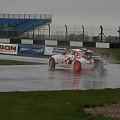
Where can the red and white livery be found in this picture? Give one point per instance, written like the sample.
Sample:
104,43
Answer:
77,60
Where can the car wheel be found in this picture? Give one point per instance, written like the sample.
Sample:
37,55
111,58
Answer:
52,64
77,66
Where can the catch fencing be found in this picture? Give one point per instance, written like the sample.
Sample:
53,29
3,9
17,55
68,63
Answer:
76,33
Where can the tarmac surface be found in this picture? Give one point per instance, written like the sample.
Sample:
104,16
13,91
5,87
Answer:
40,78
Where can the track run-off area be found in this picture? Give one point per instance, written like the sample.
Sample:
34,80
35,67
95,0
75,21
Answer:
40,78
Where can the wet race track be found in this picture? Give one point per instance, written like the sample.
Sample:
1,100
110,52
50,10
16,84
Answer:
39,77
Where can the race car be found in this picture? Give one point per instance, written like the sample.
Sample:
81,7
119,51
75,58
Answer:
77,60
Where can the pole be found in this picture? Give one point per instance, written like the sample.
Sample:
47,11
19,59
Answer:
33,31
101,34
49,30
66,32
119,32
83,32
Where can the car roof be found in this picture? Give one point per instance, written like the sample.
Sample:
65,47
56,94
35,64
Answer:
78,51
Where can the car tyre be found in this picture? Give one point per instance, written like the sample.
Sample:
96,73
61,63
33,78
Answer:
52,64
77,66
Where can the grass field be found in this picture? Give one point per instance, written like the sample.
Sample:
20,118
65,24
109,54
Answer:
55,105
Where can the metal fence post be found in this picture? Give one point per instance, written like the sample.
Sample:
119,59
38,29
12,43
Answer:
83,32
101,34
119,32
49,30
66,32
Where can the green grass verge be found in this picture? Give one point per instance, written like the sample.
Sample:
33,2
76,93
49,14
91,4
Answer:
55,105
13,62
114,53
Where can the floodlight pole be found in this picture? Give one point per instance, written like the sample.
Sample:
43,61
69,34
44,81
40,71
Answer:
33,31
83,32
119,32
66,32
101,34
49,30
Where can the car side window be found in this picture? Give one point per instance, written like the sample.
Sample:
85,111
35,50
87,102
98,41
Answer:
76,54
70,52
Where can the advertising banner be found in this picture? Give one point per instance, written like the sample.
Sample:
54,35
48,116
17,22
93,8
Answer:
58,51
9,48
31,50
48,50
54,50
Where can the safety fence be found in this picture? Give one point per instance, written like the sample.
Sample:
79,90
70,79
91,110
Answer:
68,33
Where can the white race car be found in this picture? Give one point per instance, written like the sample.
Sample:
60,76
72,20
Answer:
77,60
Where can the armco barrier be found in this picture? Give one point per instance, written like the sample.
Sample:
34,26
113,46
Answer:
62,43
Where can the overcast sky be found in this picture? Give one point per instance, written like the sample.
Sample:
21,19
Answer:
69,12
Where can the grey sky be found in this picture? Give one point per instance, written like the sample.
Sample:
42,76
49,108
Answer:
69,12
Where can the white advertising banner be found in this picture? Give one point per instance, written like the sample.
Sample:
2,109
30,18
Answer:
4,40
50,42
54,50
26,41
9,48
102,45
48,50
75,43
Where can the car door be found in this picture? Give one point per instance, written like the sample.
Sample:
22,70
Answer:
68,57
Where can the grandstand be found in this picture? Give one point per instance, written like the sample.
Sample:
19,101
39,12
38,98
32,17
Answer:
15,25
